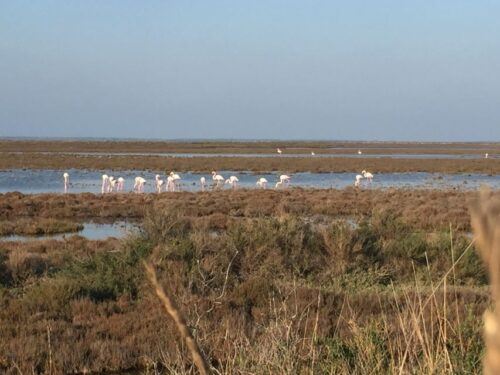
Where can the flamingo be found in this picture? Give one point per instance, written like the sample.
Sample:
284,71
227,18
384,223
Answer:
284,179
262,183
278,150
159,183
368,176
139,184
279,185
233,180
203,183
217,178
170,183
121,183
105,182
111,184
359,177
66,181
175,179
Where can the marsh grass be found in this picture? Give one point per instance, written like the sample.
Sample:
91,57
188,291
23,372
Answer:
204,164
430,210
245,147
37,227
486,223
261,293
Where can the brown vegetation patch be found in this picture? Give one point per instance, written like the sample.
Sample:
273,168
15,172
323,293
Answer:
422,209
233,147
38,227
258,164
268,281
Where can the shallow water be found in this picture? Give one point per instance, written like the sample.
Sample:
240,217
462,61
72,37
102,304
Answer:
284,155
91,231
50,181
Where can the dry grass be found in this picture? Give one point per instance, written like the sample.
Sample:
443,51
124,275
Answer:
37,227
276,282
486,223
283,287
258,164
176,315
246,147
421,209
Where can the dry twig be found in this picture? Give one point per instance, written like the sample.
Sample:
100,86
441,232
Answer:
486,225
179,320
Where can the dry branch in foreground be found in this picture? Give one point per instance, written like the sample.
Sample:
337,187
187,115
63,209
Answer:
180,322
486,225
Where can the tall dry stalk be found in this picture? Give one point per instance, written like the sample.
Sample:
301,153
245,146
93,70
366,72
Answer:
198,358
486,225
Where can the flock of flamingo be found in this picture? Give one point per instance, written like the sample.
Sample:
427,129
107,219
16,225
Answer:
111,184
172,183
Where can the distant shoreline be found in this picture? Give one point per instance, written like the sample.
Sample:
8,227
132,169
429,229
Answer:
241,140
244,146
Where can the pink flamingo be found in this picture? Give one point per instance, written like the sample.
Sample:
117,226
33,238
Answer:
285,180
66,181
139,184
105,182
219,180
262,183
121,183
357,183
159,184
368,176
176,180
233,181
111,184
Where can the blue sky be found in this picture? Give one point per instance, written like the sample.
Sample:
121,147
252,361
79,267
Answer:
369,70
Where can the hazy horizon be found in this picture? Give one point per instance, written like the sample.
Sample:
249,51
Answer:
225,70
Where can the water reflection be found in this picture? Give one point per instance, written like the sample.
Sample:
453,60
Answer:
91,231
51,181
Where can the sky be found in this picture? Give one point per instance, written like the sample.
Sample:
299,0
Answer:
275,69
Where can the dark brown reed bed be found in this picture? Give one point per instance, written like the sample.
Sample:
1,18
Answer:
230,147
263,289
37,226
423,209
257,164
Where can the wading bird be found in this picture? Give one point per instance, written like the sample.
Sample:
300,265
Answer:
262,183
66,181
159,183
203,183
170,184
486,156
285,180
359,177
312,153
121,183
368,176
233,181
111,184
279,185
176,180
359,152
105,182
278,150
219,180
139,184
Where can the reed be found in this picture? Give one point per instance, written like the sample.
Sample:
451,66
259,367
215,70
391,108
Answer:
486,225
180,322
